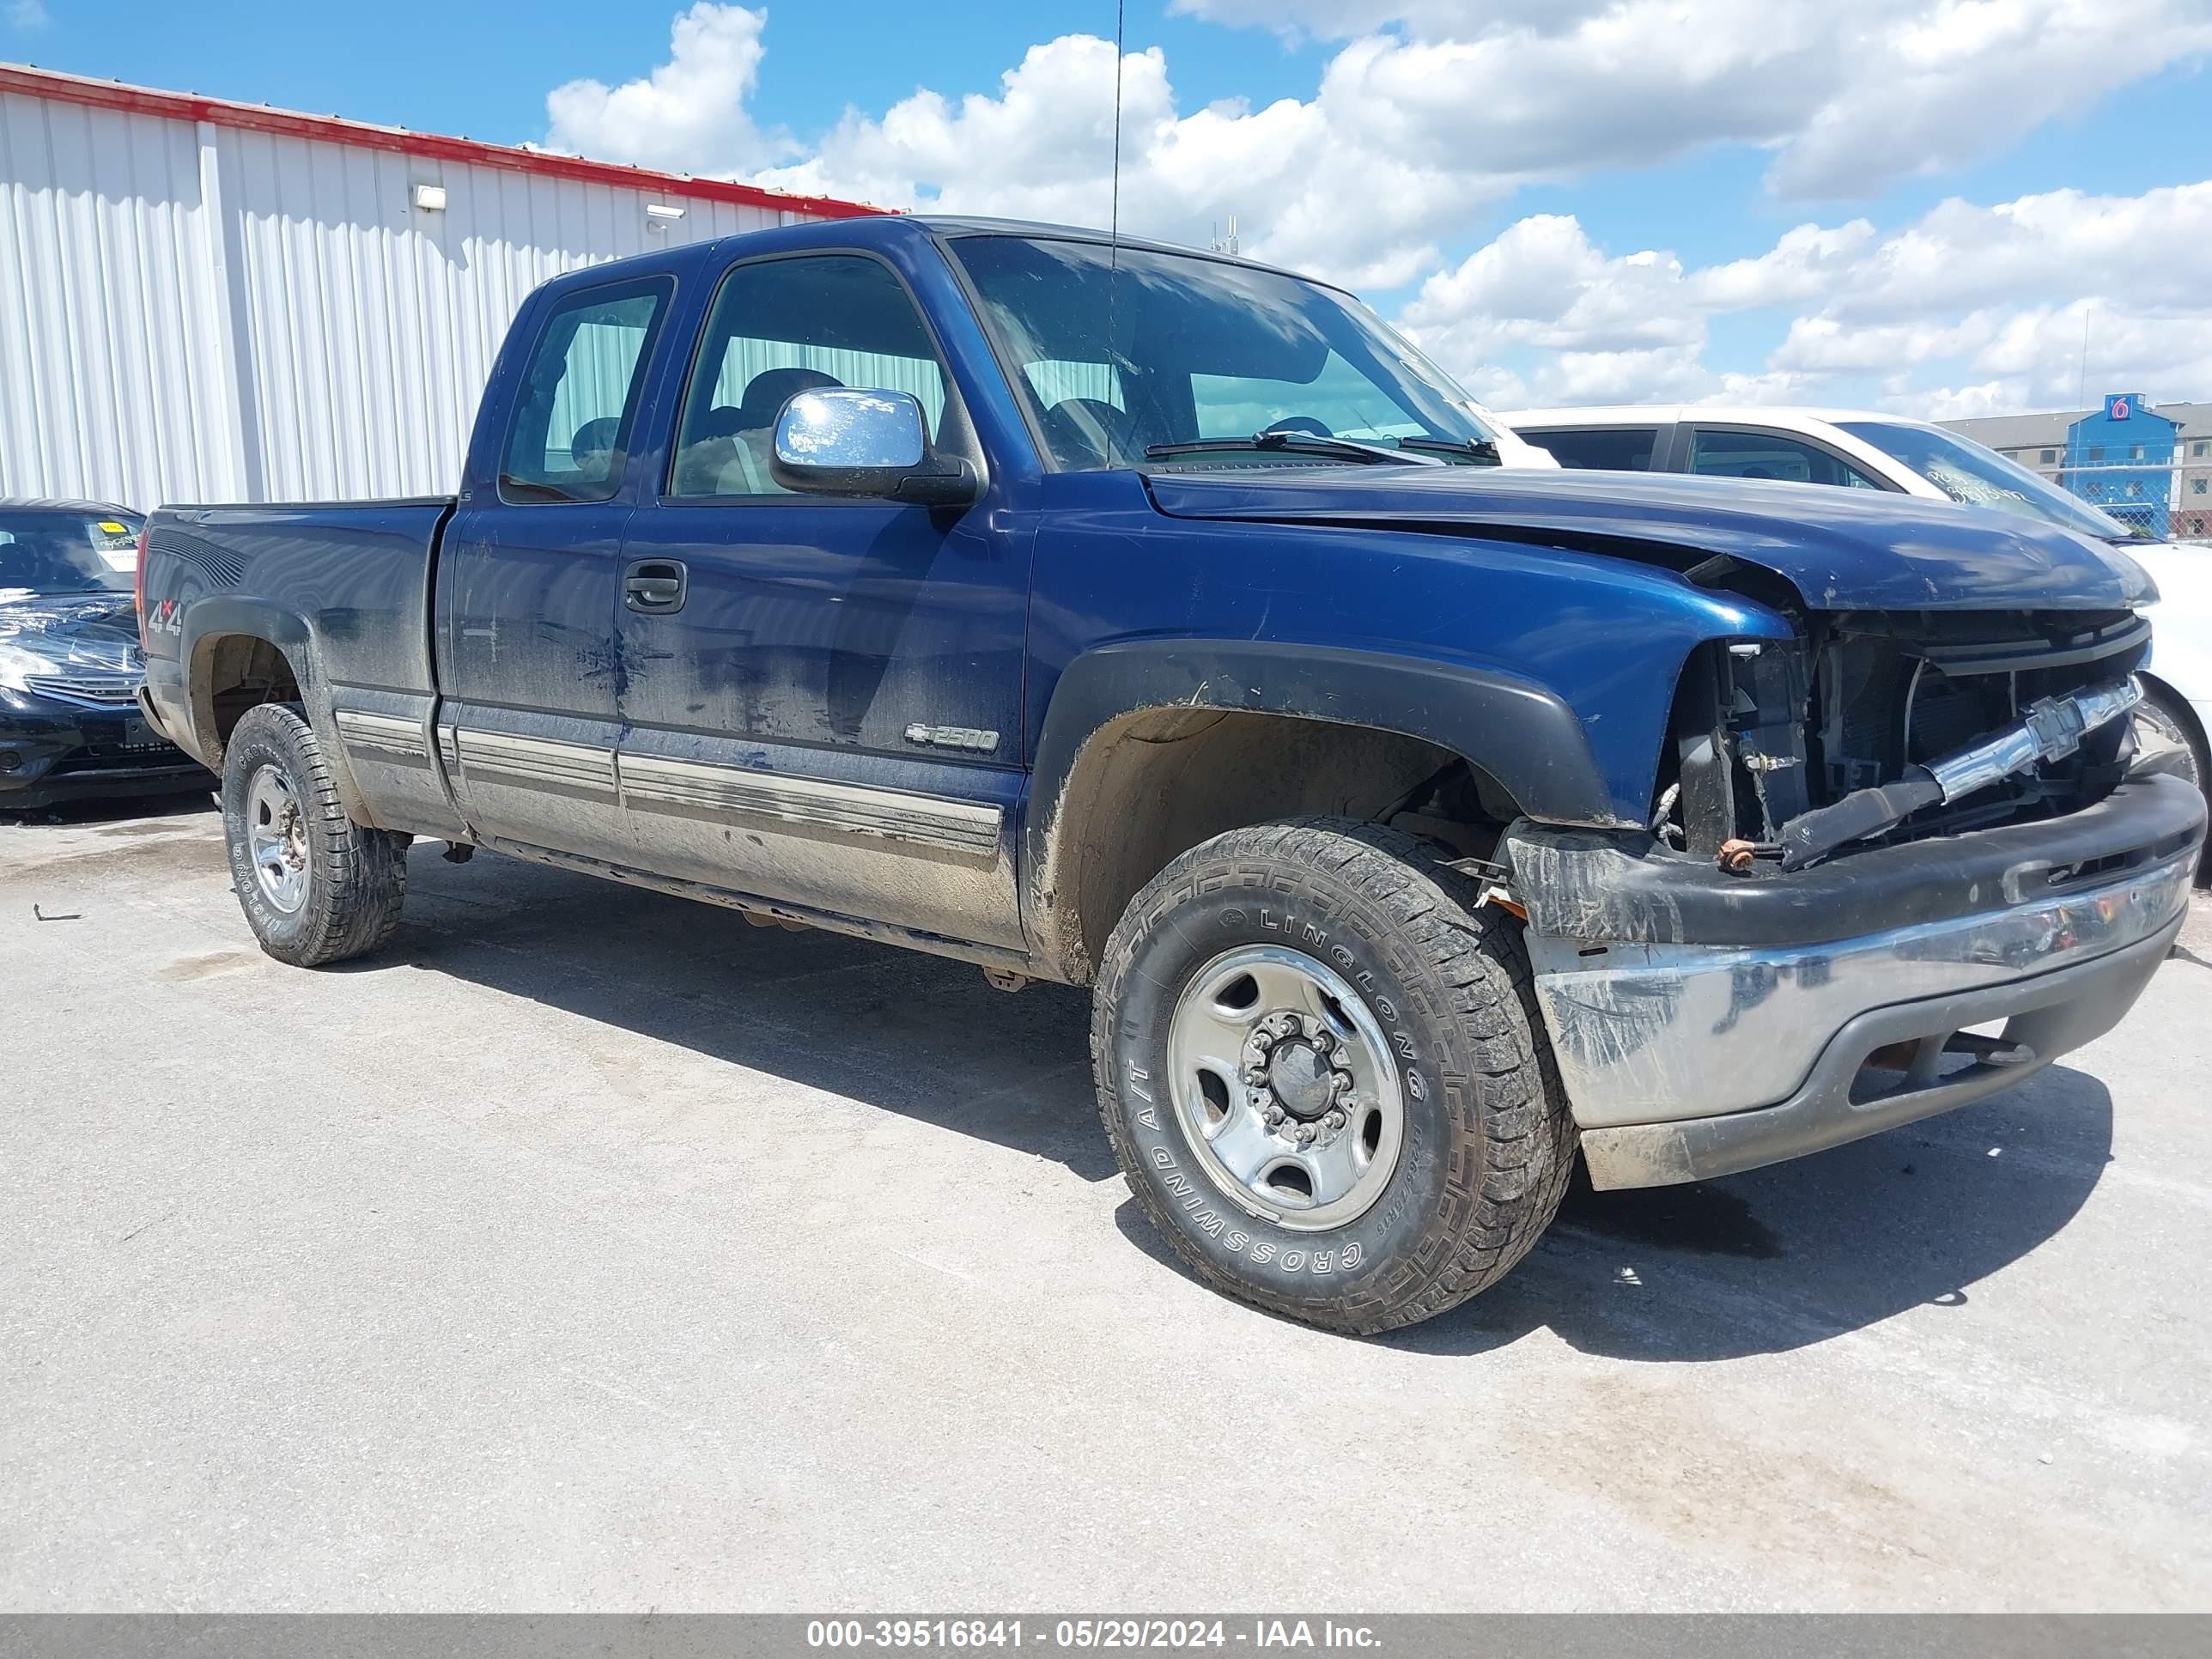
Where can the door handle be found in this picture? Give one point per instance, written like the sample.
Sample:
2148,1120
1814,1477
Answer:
656,585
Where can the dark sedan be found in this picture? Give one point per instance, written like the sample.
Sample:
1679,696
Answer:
70,664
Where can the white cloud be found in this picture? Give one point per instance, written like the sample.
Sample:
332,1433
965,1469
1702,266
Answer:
1849,94
1341,20
2010,293
2056,244
1611,328
28,14
1929,87
1042,147
689,114
1543,283
1427,110
2036,354
1998,293
1802,265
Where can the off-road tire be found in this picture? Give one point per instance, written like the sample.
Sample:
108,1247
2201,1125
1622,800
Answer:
1489,1142
356,875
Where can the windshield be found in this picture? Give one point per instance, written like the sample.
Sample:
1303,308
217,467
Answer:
1200,348
47,550
1966,471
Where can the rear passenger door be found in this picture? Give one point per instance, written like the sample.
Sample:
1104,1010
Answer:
821,699
1767,453
530,582
1603,448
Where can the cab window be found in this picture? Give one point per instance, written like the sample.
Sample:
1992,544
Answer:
1722,453
779,327
1600,448
579,396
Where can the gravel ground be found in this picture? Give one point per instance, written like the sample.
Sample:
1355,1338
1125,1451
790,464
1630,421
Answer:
590,1250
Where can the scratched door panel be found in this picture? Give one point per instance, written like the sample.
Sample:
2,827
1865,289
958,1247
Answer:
830,713
529,659
925,845
868,647
531,579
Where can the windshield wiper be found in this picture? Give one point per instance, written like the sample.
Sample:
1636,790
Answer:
1479,451
1295,443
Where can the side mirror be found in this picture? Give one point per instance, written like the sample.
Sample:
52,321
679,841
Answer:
838,441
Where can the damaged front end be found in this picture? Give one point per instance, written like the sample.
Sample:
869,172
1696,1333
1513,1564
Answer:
1865,843
1879,728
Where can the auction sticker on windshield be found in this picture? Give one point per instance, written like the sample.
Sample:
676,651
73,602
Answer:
114,542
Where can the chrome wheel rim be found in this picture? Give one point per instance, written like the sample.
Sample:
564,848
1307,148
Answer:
1286,1088
277,839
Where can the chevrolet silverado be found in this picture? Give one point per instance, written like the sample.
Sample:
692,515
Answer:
1107,613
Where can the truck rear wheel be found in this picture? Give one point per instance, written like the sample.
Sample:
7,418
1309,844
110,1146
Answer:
1322,1071
316,887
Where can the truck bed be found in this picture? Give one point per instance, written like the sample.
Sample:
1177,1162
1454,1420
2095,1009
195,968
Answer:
350,581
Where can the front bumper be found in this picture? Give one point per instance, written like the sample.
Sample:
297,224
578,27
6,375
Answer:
1686,1057
51,751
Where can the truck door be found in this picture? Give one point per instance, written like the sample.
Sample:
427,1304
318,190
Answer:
529,580
820,701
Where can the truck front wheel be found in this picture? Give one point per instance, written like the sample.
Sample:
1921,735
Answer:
316,887
1323,1069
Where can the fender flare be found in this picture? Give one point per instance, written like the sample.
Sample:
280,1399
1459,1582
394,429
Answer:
1523,735
220,616
225,614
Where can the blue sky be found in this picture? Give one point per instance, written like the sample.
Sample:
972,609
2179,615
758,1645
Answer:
1567,200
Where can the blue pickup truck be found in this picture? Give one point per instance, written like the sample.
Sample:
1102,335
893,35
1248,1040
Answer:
1120,615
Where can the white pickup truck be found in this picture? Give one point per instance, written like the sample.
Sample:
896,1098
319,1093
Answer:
1864,450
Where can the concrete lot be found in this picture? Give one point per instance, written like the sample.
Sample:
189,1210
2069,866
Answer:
594,1249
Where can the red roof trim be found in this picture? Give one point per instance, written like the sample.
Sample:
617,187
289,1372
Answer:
335,129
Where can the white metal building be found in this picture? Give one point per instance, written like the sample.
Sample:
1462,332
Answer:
208,301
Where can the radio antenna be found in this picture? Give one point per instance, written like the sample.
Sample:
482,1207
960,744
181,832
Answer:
1114,220
1114,226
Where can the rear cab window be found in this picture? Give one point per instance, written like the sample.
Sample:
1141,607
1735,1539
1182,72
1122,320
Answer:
577,404
1597,448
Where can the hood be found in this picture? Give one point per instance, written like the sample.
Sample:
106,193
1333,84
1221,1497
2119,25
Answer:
1842,549
94,632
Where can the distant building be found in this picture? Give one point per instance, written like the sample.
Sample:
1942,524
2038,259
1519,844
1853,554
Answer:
2122,457
2148,465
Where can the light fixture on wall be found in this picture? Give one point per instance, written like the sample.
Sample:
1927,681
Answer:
431,198
658,216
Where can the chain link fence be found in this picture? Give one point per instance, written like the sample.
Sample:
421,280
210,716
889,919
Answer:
2170,500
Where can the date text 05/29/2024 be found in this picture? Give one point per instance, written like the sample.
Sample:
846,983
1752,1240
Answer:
1087,1633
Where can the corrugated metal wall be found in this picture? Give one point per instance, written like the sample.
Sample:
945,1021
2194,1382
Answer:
112,354
191,313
